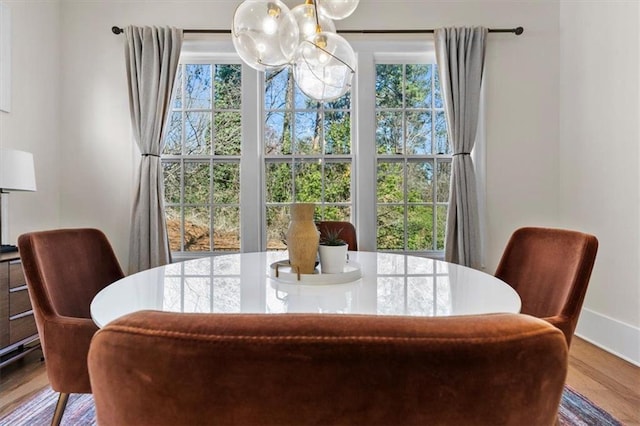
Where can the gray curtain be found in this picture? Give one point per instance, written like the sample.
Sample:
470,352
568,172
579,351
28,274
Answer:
152,61
460,56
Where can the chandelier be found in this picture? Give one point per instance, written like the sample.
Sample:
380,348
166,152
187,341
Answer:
269,36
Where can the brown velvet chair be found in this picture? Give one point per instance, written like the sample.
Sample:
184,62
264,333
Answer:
345,230
550,270
161,368
64,270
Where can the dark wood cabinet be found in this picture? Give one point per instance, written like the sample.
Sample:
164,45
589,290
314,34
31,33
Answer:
18,332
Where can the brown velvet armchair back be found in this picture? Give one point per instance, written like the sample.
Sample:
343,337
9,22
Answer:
64,270
159,368
346,230
550,270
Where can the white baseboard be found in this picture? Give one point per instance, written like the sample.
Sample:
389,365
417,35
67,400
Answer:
612,335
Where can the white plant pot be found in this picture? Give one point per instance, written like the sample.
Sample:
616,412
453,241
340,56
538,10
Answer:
333,258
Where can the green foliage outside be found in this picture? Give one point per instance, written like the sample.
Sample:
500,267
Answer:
411,182
308,153
205,128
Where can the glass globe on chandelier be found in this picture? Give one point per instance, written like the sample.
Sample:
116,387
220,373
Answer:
305,16
338,9
264,33
323,66
267,35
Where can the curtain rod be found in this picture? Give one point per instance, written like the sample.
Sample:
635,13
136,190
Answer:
517,31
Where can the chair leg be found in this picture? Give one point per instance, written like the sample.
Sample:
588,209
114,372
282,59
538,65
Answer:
60,406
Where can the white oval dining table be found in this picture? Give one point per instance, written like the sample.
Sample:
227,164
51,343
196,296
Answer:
390,284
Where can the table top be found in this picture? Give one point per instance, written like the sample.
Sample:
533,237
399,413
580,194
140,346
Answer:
390,284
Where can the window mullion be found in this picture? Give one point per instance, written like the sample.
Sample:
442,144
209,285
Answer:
366,164
212,219
182,212
251,167
434,151
183,129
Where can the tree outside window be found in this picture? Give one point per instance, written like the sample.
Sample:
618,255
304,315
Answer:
307,151
413,158
201,159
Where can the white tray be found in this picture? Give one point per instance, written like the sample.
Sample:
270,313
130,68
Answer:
282,271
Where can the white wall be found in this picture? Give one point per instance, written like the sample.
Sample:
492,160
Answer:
98,172
33,124
599,161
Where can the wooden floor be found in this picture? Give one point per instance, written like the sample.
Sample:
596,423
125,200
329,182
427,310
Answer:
608,381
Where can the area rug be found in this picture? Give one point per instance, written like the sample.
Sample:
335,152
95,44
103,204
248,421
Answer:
575,410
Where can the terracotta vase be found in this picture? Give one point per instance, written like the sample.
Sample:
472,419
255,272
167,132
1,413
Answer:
302,238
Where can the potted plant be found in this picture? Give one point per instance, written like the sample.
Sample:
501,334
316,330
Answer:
333,252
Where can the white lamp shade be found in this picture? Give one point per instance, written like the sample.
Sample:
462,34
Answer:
264,33
337,9
305,16
16,171
324,65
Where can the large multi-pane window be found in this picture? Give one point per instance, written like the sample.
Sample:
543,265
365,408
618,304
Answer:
307,154
242,145
413,158
201,159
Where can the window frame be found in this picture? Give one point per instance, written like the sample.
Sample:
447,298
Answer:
296,158
405,159
401,50
200,50
363,155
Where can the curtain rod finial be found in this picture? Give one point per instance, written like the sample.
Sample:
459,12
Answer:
519,30
116,30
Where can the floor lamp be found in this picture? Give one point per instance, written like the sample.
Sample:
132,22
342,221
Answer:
16,174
